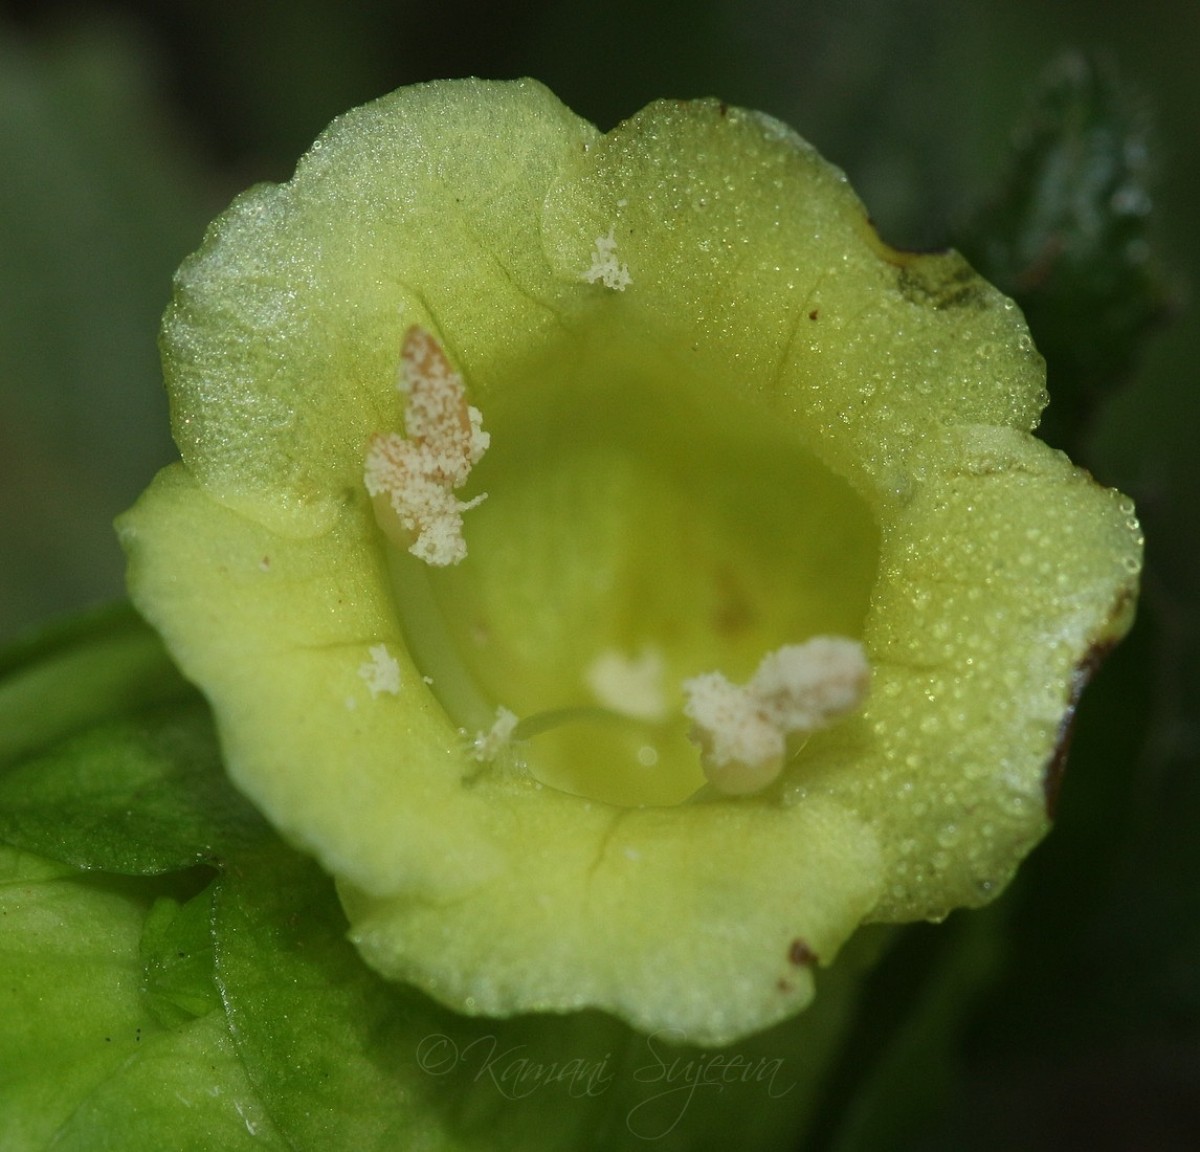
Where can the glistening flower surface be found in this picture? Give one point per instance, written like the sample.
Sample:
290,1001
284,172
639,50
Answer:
724,419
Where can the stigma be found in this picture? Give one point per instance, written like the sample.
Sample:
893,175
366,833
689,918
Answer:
743,729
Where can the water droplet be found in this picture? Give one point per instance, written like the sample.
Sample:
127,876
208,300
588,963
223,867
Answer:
948,836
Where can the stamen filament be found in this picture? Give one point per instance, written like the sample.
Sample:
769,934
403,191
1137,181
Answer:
429,643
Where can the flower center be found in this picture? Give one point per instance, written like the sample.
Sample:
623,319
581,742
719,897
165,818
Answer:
643,525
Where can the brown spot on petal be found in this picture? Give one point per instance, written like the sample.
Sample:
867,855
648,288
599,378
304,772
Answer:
1056,767
800,954
941,283
732,612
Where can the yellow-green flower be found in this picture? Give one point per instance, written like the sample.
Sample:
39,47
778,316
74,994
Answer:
739,456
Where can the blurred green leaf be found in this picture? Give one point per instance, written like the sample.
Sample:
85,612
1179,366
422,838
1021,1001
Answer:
108,760
898,1067
62,678
1070,237
137,796
112,1035
98,203
85,1063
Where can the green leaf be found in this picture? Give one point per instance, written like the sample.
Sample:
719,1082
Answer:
142,795
110,761
112,1034
86,1063
61,678
177,959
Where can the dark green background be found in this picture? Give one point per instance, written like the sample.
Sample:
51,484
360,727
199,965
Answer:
124,127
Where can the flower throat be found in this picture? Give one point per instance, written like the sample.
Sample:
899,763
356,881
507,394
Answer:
616,617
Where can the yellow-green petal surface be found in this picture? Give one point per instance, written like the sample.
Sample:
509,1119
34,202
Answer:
778,427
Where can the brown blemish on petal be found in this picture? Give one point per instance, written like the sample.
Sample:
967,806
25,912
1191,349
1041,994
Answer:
1120,617
941,282
800,954
783,986
1056,767
732,612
